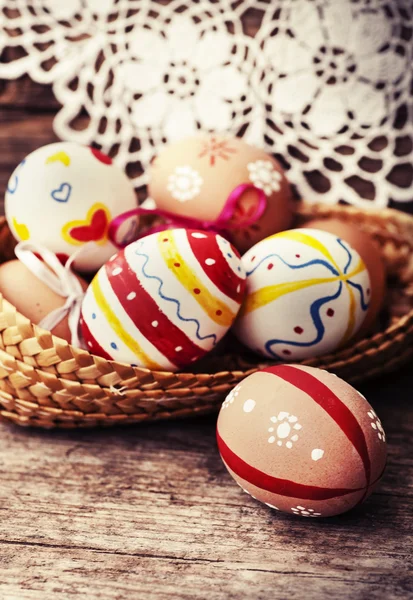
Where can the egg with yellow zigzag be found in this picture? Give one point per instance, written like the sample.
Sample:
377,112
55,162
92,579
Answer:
307,294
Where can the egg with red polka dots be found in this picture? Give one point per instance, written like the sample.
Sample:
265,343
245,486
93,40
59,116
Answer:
301,441
307,294
165,300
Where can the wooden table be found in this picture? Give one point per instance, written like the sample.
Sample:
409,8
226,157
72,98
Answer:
149,511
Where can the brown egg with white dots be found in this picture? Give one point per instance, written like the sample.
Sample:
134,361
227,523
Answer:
32,297
371,255
195,176
301,441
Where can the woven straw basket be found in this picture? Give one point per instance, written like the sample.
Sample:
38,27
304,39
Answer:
46,382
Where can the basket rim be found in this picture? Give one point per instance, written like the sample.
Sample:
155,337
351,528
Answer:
323,211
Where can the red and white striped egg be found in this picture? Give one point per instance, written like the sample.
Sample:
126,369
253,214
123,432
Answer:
165,300
301,440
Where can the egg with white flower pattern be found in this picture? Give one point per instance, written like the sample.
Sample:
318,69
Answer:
307,294
301,441
194,177
64,196
164,301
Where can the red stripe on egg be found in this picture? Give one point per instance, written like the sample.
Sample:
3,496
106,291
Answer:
146,315
334,407
221,275
276,485
93,346
103,158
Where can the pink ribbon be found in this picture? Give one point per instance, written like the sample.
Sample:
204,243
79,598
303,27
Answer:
222,223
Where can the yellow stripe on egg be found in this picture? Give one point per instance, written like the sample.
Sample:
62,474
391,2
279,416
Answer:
308,240
117,327
216,310
351,317
270,293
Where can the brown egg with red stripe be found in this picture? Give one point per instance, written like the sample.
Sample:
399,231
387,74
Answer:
301,440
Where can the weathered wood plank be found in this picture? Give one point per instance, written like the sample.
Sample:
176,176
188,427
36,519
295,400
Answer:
150,512
25,93
20,133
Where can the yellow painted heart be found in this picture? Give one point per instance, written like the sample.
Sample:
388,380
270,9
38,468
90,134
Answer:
59,157
22,231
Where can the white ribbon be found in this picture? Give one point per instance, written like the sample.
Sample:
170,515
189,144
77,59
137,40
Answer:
58,278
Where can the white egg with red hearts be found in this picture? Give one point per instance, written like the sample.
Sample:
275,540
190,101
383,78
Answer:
63,196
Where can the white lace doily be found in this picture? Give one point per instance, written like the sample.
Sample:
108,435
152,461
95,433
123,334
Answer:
326,84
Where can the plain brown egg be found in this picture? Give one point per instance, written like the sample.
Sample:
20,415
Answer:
195,176
370,252
31,297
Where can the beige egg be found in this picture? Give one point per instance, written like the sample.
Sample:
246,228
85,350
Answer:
301,441
371,255
195,176
31,297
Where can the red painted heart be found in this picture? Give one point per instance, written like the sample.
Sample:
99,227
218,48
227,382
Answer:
94,231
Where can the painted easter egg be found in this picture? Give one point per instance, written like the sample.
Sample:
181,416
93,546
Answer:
371,255
165,300
63,196
196,176
307,294
301,440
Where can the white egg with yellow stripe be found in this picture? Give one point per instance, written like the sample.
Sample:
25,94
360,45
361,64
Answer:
164,301
307,294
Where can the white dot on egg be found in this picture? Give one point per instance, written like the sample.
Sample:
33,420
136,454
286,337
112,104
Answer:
155,323
117,271
113,257
90,344
131,296
271,439
249,405
209,262
178,348
317,453
198,235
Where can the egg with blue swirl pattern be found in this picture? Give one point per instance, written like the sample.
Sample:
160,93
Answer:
307,294
165,300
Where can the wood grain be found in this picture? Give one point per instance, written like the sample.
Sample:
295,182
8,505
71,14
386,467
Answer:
150,512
